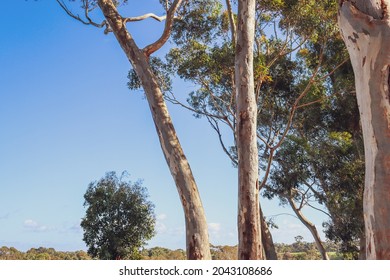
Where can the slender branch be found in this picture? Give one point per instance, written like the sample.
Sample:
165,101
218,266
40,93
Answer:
334,69
310,103
303,200
175,101
143,17
233,27
296,103
281,214
215,126
312,189
318,209
267,172
89,21
148,50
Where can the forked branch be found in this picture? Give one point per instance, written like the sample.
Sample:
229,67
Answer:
148,50
87,20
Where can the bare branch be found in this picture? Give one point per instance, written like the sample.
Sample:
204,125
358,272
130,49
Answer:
88,20
215,126
267,172
318,209
143,17
334,69
175,101
148,50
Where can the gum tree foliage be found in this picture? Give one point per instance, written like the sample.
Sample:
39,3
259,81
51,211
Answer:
304,96
197,240
119,218
322,158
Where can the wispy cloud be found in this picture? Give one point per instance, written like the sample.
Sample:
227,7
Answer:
160,225
215,227
4,216
75,228
214,230
34,226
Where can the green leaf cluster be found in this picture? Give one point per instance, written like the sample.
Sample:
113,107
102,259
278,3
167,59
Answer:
119,219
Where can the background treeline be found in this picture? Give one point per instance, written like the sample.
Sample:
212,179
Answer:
299,250
41,254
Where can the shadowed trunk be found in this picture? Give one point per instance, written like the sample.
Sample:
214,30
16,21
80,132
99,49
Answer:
249,233
197,240
266,238
365,28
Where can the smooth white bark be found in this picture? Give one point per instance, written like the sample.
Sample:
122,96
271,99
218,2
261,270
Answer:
365,28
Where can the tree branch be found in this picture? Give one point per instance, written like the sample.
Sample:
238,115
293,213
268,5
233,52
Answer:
233,28
88,20
148,50
143,17
215,126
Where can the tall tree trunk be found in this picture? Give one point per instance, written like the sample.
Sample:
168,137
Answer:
196,226
312,228
249,234
266,239
365,27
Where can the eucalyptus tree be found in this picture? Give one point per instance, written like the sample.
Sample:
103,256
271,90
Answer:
283,75
297,61
119,218
197,240
326,127
365,28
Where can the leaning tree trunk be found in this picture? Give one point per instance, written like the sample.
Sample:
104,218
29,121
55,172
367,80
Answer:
266,239
196,226
311,227
365,27
249,234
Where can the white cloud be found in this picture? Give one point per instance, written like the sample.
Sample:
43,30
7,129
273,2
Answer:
160,226
215,227
32,225
215,231
161,217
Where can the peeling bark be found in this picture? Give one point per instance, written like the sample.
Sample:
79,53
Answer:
365,27
196,226
249,234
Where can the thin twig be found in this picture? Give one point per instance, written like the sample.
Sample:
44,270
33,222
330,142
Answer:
77,17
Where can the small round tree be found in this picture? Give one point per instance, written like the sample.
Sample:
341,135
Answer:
119,219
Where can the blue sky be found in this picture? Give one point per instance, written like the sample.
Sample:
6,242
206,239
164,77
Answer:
67,117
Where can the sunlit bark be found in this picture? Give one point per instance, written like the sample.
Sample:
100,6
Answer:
196,226
365,27
249,233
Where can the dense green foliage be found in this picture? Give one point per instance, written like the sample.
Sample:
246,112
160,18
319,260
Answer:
119,218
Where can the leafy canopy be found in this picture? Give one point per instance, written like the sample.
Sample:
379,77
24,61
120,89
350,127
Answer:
119,218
